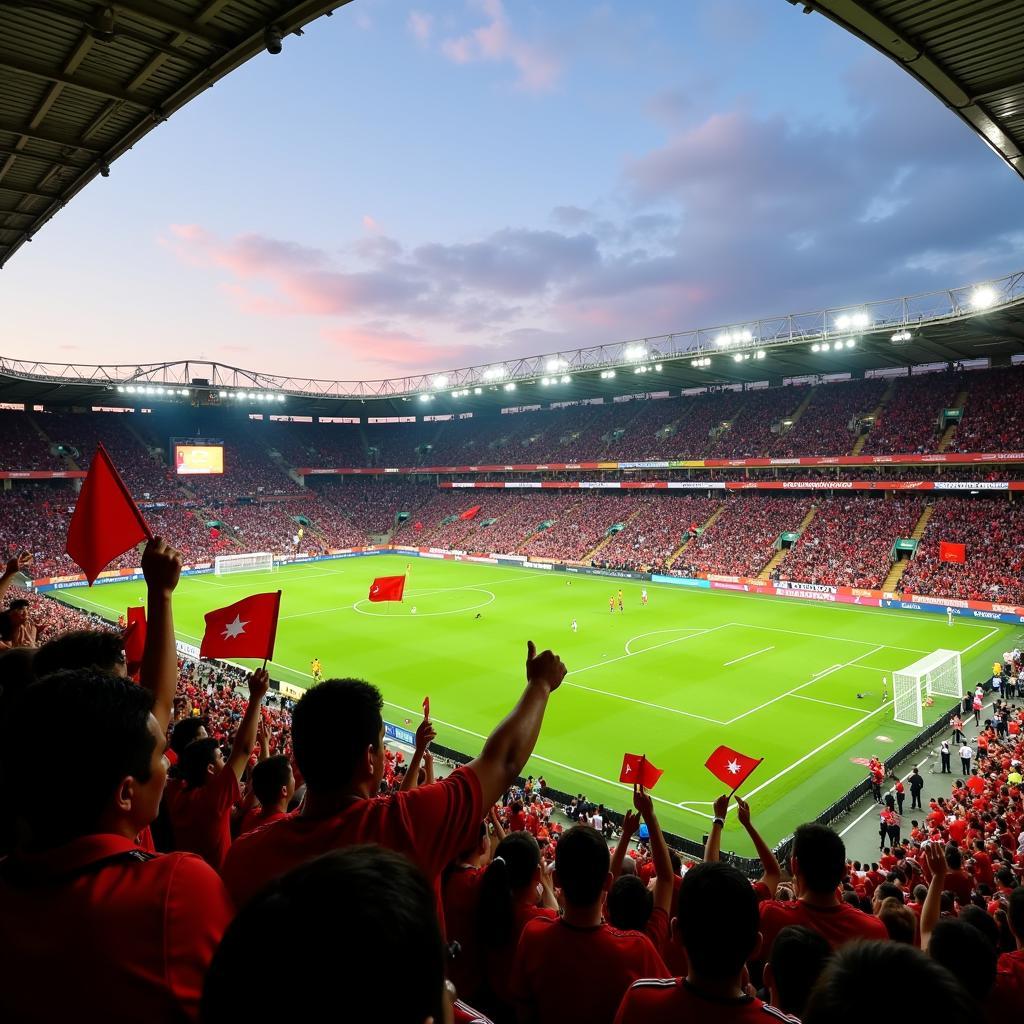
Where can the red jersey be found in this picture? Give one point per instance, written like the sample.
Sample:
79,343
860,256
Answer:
460,898
564,973
201,817
673,1000
431,825
464,1014
838,924
99,930
960,885
256,817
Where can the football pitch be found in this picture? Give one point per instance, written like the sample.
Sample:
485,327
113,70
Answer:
796,682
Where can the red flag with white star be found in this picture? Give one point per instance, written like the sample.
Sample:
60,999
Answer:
731,767
387,588
245,629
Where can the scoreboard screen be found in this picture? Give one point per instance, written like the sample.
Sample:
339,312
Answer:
198,459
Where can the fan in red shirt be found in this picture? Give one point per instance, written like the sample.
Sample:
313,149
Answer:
508,902
718,926
370,937
92,927
273,785
576,967
337,736
818,863
199,807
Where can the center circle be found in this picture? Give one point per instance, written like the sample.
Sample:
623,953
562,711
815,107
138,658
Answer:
454,601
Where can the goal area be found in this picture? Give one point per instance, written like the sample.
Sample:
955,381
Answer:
936,674
260,561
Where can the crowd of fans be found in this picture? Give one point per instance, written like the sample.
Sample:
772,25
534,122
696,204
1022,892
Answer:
992,533
993,419
849,541
830,421
287,821
652,537
910,420
742,540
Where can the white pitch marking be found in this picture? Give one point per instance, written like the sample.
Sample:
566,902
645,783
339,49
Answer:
736,661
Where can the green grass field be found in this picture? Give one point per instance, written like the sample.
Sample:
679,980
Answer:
672,680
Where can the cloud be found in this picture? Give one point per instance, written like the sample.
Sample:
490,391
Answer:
495,41
421,25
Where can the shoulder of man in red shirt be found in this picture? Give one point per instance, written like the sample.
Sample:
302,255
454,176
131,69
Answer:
153,922
566,973
256,818
672,1000
201,816
837,924
431,825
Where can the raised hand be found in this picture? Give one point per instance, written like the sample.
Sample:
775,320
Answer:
544,669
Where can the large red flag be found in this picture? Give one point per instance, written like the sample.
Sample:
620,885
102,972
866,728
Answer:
638,771
470,512
245,629
134,641
387,588
105,522
949,552
731,767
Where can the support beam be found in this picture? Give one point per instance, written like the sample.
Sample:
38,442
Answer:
39,135
168,18
86,84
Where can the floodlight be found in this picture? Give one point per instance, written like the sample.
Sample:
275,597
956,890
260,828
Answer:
566,378
510,386
760,353
478,391
634,353
815,347
424,398
984,297
850,342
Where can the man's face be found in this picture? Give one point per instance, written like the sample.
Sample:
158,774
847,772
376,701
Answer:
19,615
147,795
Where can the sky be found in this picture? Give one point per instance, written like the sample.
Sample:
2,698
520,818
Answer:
412,187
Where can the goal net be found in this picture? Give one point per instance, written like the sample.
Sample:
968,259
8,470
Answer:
260,561
935,674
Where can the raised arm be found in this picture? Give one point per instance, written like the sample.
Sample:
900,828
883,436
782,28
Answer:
663,884
630,823
425,735
772,872
935,858
713,846
245,738
13,567
161,566
509,747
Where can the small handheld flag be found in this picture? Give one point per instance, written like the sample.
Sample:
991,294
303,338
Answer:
387,588
731,767
470,513
638,771
106,522
245,629
426,708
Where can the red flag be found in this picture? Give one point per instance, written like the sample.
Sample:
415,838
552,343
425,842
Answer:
387,588
470,512
134,640
949,552
731,767
245,629
638,771
106,522
426,708
417,526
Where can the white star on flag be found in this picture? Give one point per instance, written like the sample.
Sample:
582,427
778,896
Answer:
374,590
733,767
234,629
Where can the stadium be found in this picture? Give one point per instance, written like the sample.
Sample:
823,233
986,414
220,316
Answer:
796,538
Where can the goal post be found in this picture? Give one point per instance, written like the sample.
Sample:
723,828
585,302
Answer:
260,561
936,674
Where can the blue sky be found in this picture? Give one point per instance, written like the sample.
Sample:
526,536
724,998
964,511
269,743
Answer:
420,186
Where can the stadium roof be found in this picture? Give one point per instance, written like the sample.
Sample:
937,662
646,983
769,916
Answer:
975,322
969,53
82,82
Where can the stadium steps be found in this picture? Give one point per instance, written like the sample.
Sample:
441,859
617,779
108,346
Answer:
950,432
862,440
780,555
899,567
68,461
711,520
608,538
801,408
